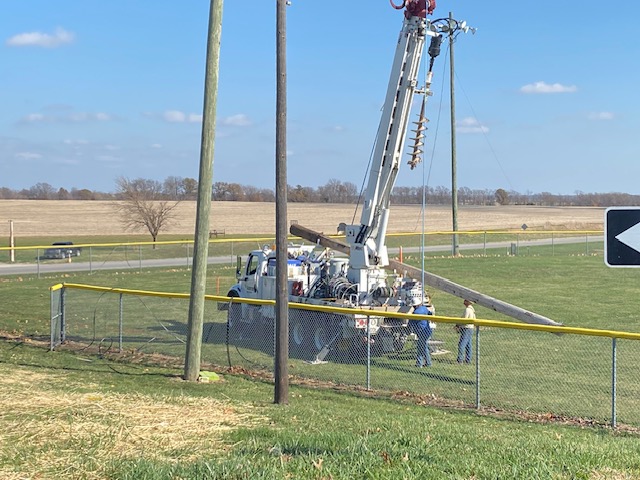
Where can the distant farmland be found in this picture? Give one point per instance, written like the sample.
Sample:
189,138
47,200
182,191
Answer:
69,217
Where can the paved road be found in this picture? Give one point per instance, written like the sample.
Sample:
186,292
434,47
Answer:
75,266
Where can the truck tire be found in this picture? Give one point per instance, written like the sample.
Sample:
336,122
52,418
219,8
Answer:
399,342
324,330
234,314
320,336
298,336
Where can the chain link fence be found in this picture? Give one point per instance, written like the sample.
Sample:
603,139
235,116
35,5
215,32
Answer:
543,371
37,260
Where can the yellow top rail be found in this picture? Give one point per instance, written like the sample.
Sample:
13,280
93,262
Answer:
367,312
271,239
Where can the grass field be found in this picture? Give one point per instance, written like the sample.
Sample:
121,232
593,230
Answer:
71,416
66,220
88,417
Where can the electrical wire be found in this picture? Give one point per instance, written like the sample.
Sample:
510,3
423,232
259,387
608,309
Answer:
425,185
484,134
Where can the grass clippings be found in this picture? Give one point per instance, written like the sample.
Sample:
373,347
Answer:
43,427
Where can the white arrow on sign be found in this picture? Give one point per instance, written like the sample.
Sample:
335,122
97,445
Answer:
631,237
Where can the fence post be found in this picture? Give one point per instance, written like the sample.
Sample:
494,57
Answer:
477,367
613,382
38,262
120,317
63,322
53,318
553,246
90,260
139,257
368,353
57,316
484,247
586,244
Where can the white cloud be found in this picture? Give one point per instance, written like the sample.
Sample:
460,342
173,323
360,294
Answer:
543,87
28,155
600,116
176,116
34,118
81,117
39,39
102,117
239,120
156,145
73,117
471,125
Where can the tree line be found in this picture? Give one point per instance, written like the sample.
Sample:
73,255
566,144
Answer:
334,191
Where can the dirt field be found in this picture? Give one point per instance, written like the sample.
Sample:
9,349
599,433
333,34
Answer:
67,218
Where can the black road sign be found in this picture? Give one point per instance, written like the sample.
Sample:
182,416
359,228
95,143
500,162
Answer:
622,237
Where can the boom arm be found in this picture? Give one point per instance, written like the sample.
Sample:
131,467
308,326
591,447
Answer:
367,240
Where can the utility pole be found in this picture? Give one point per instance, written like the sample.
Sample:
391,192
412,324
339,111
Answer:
205,186
454,174
12,252
281,367
452,27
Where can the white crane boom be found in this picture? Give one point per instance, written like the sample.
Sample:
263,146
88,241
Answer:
367,240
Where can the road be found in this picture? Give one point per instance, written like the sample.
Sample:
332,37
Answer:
74,266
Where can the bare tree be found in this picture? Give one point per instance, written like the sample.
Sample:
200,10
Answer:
190,188
172,187
63,194
502,196
42,191
142,204
82,194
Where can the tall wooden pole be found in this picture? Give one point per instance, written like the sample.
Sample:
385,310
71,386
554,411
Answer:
205,186
454,173
281,370
12,253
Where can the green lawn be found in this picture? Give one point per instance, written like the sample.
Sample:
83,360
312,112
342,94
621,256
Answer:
322,434
74,416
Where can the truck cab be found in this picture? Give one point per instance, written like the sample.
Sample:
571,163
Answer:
257,277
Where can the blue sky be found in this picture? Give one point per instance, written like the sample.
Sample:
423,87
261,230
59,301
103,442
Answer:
546,93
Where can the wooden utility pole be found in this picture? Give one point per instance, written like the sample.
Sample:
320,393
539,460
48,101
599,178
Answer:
281,370
205,186
454,173
12,252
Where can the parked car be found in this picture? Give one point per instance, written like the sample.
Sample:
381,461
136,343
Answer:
62,250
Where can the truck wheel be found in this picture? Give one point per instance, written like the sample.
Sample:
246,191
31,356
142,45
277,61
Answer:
324,330
235,311
320,336
298,334
399,342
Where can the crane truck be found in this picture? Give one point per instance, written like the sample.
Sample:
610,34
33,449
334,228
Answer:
358,279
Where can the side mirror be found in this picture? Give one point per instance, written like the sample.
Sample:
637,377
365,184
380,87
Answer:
238,267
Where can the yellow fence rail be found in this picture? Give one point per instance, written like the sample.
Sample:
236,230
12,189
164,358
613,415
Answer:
565,371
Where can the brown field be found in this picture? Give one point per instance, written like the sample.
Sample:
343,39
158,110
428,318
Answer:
66,218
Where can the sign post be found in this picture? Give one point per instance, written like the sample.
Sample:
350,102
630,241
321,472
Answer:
622,237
